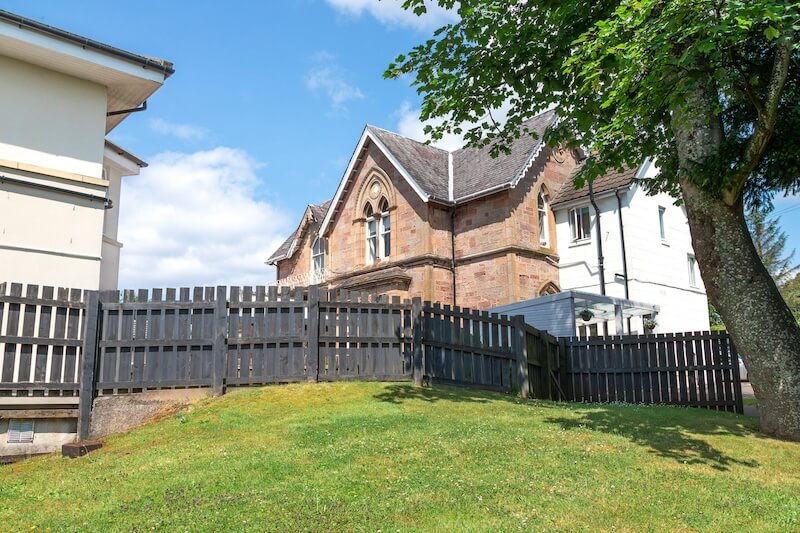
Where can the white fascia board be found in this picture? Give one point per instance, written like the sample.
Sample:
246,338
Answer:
32,40
125,166
351,165
403,172
450,176
531,158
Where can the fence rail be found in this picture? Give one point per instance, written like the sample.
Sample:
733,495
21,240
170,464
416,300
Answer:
219,337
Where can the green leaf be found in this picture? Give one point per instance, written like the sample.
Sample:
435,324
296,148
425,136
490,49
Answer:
771,33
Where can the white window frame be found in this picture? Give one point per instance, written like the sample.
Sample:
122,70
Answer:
372,240
385,228
543,219
691,264
317,273
576,223
662,225
20,431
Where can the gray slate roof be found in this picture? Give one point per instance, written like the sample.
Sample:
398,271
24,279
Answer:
426,164
318,213
608,182
474,169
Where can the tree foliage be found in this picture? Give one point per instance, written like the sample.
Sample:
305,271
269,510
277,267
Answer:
617,70
770,242
791,293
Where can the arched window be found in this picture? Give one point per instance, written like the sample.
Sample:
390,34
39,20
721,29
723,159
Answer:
318,261
544,226
378,231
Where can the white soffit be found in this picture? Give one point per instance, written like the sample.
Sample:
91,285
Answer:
129,84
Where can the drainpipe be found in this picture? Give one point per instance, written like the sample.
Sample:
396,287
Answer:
453,250
622,240
600,263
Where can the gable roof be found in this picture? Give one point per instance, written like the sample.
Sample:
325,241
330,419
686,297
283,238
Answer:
312,218
427,164
476,171
439,175
610,181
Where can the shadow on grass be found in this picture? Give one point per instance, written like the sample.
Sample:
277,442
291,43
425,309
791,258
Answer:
402,392
672,433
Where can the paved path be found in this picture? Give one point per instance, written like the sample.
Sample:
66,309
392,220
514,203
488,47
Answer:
747,392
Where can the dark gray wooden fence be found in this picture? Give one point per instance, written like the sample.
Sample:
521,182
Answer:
469,347
699,369
215,337
363,338
40,341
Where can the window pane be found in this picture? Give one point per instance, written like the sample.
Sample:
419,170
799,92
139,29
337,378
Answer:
573,230
661,223
586,223
387,244
372,249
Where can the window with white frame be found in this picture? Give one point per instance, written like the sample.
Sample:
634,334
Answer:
544,228
386,229
692,266
661,226
580,224
379,231
318,260
20,431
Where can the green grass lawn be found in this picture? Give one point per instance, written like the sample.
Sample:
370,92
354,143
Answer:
389,457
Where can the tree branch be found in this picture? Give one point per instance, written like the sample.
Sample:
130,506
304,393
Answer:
765,123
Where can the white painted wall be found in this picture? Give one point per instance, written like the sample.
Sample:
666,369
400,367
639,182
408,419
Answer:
657,270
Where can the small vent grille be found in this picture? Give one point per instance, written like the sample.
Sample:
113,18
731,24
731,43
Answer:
20,431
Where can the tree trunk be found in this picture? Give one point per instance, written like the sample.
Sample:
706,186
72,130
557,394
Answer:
759,321
762,326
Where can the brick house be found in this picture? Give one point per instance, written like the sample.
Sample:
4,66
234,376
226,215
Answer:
459,227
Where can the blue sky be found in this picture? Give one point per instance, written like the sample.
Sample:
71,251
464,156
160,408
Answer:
260,119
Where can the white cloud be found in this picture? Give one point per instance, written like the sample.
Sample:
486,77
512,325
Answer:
327,77
391,13
185,132
410,125
192,219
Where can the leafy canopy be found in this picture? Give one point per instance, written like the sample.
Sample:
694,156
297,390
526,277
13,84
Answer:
770,242
616,70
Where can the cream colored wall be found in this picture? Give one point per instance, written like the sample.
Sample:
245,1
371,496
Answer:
51,119
48,436
55,123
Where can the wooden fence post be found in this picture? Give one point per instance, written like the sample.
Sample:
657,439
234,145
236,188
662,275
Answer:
220,333
417,334
563,368
312,364
88,364
521,352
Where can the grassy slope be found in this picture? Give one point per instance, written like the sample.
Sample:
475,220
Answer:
372,456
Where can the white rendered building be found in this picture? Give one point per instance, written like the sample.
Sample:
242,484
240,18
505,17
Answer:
654,262
60,179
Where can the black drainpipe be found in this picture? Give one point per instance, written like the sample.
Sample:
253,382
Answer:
453,250
622,240
600,263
